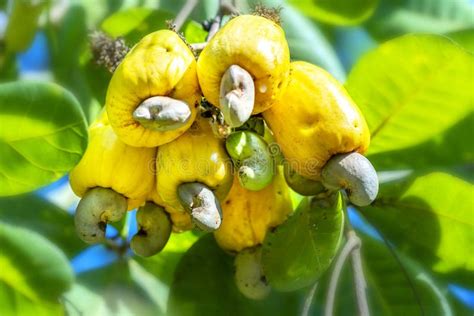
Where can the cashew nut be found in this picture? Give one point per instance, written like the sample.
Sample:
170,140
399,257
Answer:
300,184
154,229
354,173
161,113
237,95
252,157
97,207
249,276
202,204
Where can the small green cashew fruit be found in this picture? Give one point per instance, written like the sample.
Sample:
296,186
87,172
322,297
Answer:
199,200
237,95
354,173
154,229
97,207
249,276
162,113
300,184
252,158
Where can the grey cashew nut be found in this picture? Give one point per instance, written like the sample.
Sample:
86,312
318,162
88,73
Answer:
249,276
97,207
199,200
162,113
237,95
154,230
354,173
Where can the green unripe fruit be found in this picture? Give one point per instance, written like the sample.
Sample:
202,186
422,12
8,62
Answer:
300,184
154,229
249,276
252,159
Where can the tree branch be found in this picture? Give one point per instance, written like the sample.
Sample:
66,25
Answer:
309,300
352,242
360,283
184,13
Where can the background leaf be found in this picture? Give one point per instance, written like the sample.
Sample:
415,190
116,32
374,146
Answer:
430,218
33,273
110,291
397,17
22,24
36,214
339,12
42,135
310,45
419,85
300,250
204,285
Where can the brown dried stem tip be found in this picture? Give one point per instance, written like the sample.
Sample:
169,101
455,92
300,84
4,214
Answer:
272,14
107,52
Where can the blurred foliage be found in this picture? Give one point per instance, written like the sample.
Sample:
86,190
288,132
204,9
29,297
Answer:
414,89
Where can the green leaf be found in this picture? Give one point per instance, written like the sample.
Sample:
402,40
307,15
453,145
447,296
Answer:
22,24
309,45
33,273
447,151
8,67
412,88
112,290
163,265
430,218
68,42
194,33
396,285
204,285
397,17
300,250
338,12
465,38
134,23
35,214
43,135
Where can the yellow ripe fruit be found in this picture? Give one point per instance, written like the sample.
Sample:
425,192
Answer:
159,65
110,163
247,215
316,119
181,220
196,156
254,43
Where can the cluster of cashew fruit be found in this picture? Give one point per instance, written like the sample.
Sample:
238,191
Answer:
151,148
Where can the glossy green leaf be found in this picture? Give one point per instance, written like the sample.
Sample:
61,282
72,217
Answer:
33,273
430,218
397,17
163,265
204,285
396,285
114,290
309,45
22,24
465,38
134,23
43,135
411,89
338,12
447,151
36,214
300,250
67,43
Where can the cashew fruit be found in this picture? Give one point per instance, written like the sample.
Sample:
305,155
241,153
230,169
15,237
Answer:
253,44
249,276
248,215
153,95
195,157
316,119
